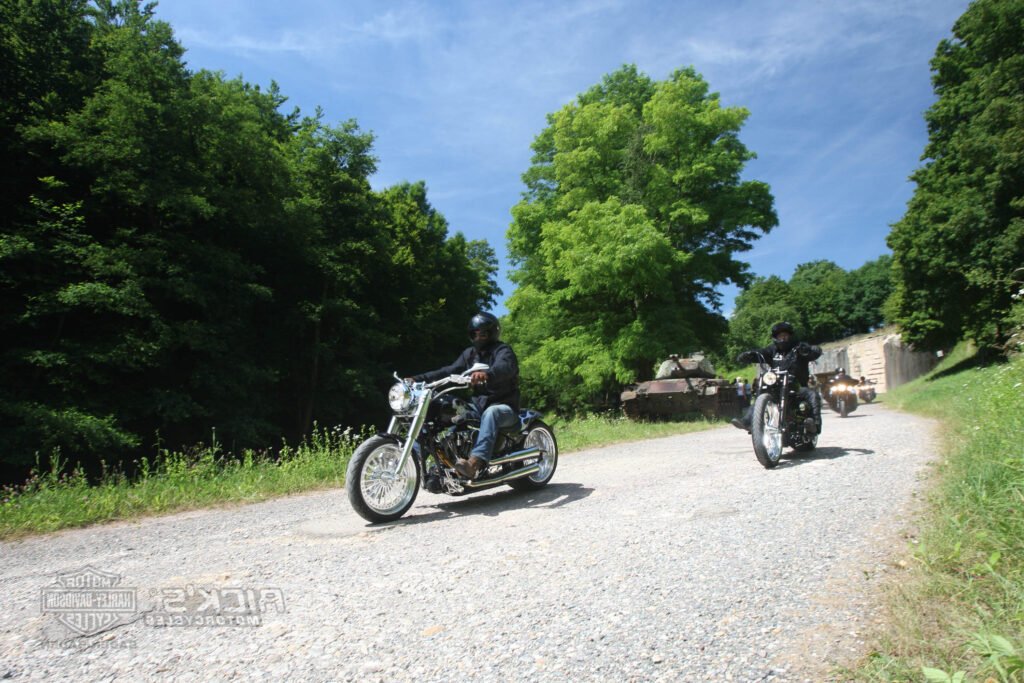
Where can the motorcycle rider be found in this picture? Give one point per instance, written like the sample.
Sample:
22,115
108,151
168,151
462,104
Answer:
495,392
841,376
783,341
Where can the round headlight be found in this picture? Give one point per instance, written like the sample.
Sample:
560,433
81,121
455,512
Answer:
400,397
769,378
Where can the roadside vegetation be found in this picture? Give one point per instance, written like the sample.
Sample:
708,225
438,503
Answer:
959,614
54,498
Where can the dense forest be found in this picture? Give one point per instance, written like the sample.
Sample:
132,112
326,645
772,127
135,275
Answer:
180,255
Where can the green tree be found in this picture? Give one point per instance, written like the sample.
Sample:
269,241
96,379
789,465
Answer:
178,255
817,290
766,302
962,236
864,296
633,214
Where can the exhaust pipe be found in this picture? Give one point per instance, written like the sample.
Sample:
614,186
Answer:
517,456
480,483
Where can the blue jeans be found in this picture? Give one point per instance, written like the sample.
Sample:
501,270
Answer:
495,418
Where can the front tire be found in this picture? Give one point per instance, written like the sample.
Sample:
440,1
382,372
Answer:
543,437
766,431
378,493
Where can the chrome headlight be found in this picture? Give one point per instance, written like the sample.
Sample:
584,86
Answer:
769,378
400,397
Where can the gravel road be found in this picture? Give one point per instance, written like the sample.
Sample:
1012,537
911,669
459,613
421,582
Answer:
671,559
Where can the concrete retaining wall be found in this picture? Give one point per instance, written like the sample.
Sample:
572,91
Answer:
880,356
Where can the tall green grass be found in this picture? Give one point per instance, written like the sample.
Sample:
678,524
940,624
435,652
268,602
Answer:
54,498
959,615
594,431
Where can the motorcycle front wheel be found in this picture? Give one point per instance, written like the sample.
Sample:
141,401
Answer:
766,431
540,436
376,489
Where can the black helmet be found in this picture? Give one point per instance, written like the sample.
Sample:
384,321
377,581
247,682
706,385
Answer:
777,329
487,323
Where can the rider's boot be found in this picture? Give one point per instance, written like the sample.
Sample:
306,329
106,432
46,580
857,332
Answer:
469,468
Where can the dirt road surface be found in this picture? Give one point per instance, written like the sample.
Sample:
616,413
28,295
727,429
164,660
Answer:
678,558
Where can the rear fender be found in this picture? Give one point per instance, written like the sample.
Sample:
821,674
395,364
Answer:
528,417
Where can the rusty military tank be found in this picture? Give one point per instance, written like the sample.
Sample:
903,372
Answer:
682,387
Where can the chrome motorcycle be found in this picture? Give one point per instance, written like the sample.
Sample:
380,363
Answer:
430,430
780,416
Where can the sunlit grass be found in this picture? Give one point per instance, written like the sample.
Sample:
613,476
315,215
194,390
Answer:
53,499
961,609
594,431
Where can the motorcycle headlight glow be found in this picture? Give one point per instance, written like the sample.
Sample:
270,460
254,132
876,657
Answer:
769,378
400,397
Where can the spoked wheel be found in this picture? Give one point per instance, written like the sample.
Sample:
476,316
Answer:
376,490
540,436
766,430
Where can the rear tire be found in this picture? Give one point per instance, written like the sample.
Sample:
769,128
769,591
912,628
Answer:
766,431
376,492
543,437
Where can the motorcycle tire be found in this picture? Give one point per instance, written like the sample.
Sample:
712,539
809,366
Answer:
766,431
543,437
377,493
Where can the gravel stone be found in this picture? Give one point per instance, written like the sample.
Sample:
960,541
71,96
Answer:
677,558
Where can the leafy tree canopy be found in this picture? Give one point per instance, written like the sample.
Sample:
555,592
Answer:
634,213
962,237
179,255
822,301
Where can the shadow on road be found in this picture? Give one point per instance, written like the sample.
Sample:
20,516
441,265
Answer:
492,504
826,453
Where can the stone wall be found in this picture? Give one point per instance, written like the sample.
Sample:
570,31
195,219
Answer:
880,356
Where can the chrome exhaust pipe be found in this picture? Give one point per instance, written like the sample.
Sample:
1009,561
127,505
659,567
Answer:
525,472
517,456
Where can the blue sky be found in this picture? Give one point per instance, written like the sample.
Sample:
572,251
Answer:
456,91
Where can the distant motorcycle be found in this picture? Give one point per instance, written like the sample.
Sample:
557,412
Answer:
842,397
780,416
866,391
430,430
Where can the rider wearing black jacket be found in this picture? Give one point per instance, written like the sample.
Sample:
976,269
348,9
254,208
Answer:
495,392
783,341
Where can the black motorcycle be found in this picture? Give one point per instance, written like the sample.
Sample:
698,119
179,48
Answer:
780,416
842,397
866,391
430,430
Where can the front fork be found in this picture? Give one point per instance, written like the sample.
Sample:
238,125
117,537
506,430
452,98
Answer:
415,426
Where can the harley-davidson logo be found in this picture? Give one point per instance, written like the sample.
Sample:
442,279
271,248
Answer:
88,600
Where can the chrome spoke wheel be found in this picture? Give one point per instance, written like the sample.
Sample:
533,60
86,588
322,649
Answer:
772,433
541,438
377,489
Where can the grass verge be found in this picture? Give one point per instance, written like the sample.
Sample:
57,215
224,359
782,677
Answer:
54,499
959,614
